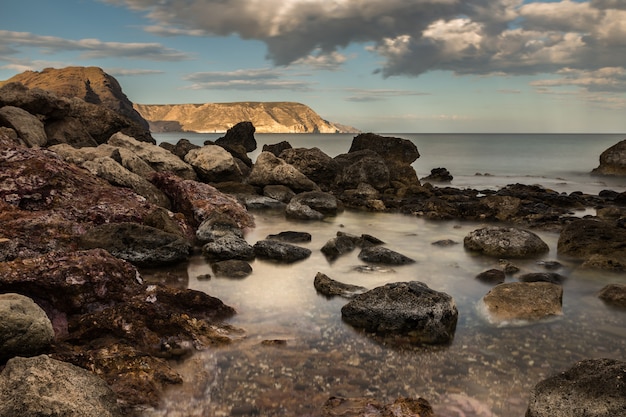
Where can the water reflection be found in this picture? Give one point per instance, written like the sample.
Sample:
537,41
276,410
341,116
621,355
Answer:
486,371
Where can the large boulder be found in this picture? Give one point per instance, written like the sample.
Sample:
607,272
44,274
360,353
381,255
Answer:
390,148
407,309
315,164
597,243
213,164
362,167
591,388
42,386
158,158
505,242
242,134
523,301
271,170
27,126
25,329
613,160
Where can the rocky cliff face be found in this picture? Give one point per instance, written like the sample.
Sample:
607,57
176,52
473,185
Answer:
90,84
267,117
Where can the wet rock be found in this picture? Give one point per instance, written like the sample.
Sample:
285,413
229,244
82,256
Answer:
299,211
491,276
439,175
28,127
25,329
523,301
242,134
199,201
278,192
271,170
139,244
369,269
280,251
319,201
42,386
614,294
507,242
613,161
232,268
228,246
598,243
592,387
338,246
213,164
330,288
445,243
382,255
359,407
158,158
291,237
408,309
551,277
216,226
315,164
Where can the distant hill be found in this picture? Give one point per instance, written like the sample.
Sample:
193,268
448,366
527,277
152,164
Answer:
90,84
267,117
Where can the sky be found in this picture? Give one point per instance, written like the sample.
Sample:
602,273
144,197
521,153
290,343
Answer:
423,66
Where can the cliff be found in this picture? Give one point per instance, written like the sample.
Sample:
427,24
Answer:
90,84
267,117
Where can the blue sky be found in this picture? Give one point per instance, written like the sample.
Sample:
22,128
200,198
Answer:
379,65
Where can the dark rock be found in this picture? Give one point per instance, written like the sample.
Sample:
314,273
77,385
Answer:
445,243
382,255
492,276
291,237
360,407
232,268
299,211
523,301
25,329
550,264
614,294
181,148
271,170
28,127
366,167
330,288
315,164
139,244
439,175
228,246
260,202
591,388
276,148
408,309
278,192
388,147
280,251
368,269
507,242
319,201
216,226
242,134
598,243
42,386
551,277
613,161
338,246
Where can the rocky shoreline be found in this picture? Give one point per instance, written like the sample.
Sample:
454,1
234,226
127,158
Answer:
85,216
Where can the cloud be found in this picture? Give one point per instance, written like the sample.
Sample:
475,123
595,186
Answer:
610,79
251,79
366,95
89,48
125,72
330,62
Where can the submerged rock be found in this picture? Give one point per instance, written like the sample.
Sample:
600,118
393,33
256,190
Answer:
382,255
338,246
525,301
492,276
407,309
370,407
551,277
330,288
614,294
232,268
505,242
591,388
291,237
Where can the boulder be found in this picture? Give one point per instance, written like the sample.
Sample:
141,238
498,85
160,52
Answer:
523,301
614,294
315,164
158,158
338,246
330,288
390,148
228,246
598,243
181,148
198,201
25,329
260,202
319,201
382,255
108,169
591,388
42,386
299,211
439,175
213,164
505,242
28,127
291,237
552,277
491,276
216,226
136,243
232,268
278,192
69,131
276,148
271,170
280,251
242,134
613,161
405,309
363,167
370,407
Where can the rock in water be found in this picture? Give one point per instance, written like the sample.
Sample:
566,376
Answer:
370,407
505,242
280,251
524,301
613,161
600,244
242,134
381,255
409,309
330,288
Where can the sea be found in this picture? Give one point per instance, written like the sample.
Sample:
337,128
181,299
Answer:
292,352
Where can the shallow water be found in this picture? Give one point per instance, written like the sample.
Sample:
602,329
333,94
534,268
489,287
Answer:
487,370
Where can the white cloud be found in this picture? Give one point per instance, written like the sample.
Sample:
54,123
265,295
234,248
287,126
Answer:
367,95
253,79
125,72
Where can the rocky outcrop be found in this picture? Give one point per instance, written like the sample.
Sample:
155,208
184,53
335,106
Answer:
593,388
523,301
599,244
42,386
613,161
267,117
25,329
405,309
505,242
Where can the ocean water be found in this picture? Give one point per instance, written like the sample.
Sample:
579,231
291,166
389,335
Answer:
488,370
